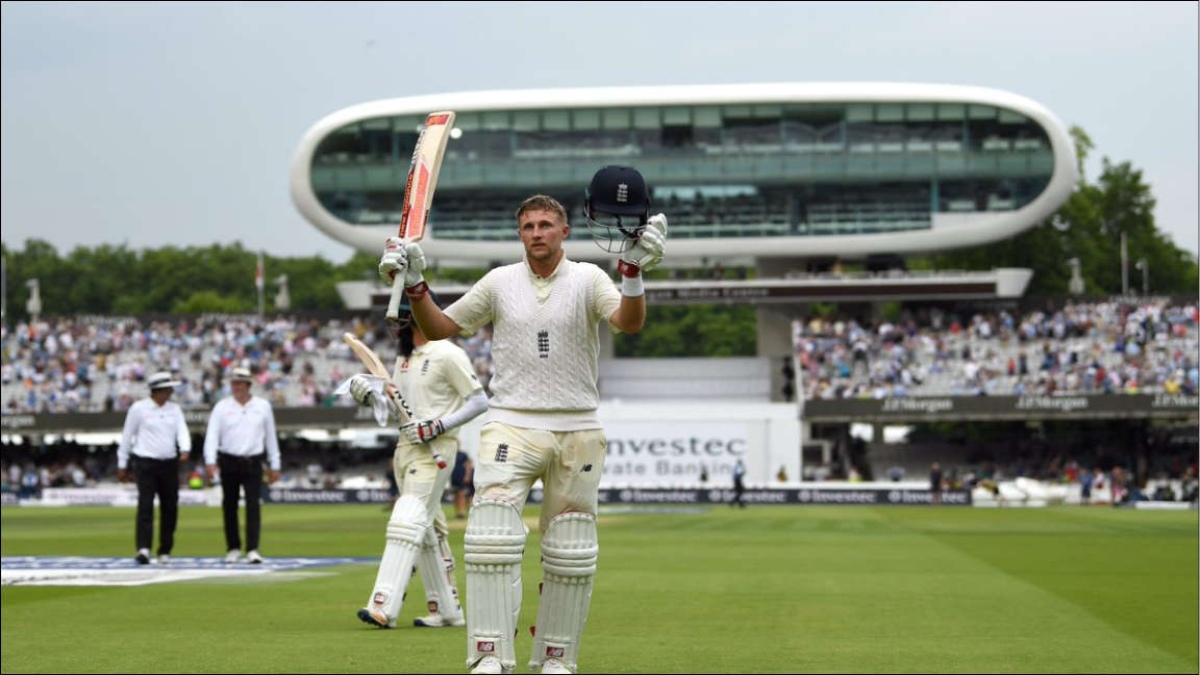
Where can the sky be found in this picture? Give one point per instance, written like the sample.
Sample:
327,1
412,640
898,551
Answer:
155,124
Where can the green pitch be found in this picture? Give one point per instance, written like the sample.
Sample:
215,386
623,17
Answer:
765,589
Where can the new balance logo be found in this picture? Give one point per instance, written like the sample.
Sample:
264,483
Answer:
544,344
502,452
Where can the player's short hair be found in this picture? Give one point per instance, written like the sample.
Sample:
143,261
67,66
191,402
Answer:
542,203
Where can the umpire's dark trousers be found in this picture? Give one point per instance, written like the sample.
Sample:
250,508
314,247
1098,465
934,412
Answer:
157,477
240,474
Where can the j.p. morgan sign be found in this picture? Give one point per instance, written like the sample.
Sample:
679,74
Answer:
982,408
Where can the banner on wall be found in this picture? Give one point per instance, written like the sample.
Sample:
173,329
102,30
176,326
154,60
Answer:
659,454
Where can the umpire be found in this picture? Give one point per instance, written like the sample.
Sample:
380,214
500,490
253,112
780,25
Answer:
240,436
156,438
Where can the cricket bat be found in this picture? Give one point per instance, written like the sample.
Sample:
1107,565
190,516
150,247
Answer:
375,367
418,189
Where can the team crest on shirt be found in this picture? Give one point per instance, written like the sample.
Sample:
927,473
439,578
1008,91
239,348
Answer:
543,344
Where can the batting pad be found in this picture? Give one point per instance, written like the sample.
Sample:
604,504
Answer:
570,550
437,576
405,532
493,547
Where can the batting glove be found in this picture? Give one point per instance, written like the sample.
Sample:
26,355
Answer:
647,252
394,260
423,431
416,265
361,390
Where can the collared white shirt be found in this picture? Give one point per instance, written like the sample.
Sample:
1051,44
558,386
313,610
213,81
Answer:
242,430
153,431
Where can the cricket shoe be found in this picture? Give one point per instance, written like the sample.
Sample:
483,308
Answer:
489,665
375,618
254,558
437,621
142,557
555,666
164,559
233,556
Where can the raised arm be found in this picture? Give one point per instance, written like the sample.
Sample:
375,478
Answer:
643,255
408,259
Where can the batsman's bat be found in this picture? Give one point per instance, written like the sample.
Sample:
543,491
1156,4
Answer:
375,367
418,190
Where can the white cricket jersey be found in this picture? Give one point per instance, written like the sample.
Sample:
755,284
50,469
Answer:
436,380
545,341
242,430
153,431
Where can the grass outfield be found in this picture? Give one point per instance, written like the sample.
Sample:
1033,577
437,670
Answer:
765,589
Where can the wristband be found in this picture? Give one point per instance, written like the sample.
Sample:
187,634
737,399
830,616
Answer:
632,287
418,291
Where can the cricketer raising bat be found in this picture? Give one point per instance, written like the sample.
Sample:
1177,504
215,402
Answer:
375,367
418,190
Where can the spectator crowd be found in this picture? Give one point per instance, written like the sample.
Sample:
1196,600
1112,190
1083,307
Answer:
1148,346
100,365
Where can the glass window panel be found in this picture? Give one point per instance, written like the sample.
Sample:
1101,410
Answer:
920,112
586,119
982,112
817,115
525,120
1010,117
407,123
617,118
377,123
646,118
495,120
677,116
467,121
737,111
708,117
951,111
860,112
889,112
768,111
556,120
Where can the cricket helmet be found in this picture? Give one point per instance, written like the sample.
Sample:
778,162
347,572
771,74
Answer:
616,206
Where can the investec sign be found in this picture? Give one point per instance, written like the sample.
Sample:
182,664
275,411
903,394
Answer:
653,454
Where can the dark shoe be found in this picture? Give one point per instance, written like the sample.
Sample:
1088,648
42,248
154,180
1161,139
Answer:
375,618
142,557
